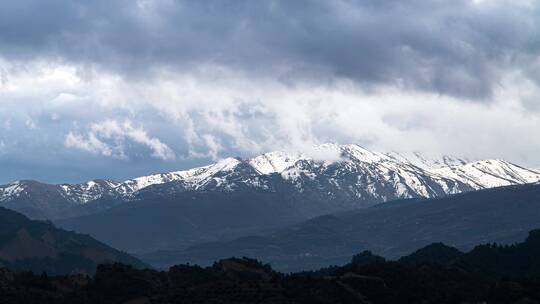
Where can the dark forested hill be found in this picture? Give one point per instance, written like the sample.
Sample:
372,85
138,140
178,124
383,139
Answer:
39,246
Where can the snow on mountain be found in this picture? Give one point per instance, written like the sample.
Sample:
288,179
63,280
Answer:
355,152
275,162
75,193
88,191
10,191
366,175
358,170
428,162
490,173
193,178
347,174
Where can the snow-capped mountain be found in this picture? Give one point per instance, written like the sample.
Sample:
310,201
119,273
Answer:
344,176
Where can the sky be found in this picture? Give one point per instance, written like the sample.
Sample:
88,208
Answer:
123,88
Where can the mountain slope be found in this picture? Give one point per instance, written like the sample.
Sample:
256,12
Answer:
393,229
184,219
39,246
343,176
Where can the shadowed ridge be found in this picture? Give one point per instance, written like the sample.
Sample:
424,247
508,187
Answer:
39,246
435,254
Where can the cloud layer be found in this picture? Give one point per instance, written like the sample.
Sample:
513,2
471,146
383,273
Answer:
461,48
138,86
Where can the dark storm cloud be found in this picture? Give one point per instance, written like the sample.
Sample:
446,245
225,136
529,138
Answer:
456,48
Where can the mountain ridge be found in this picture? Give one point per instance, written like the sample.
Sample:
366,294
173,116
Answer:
349,174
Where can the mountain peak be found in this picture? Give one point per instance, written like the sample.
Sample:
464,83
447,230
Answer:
279,161
274,162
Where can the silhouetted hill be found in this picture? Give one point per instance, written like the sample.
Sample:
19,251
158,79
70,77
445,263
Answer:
366,258
522,259
434,254
39,246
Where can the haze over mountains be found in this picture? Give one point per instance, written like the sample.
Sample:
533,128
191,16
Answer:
503,215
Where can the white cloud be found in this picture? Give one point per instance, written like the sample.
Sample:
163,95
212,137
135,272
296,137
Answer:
30,124
90,144
7,124
97,138
326,153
